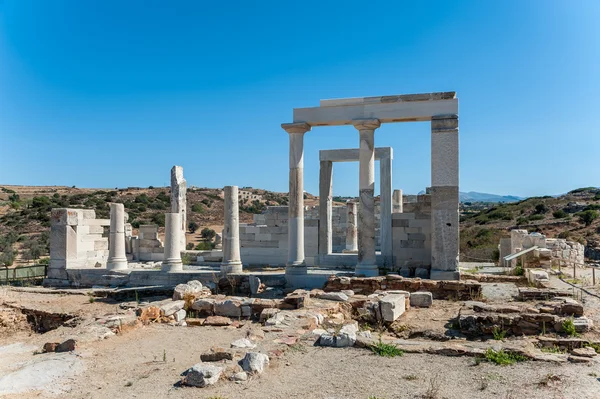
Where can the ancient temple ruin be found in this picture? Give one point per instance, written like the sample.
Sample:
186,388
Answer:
413,239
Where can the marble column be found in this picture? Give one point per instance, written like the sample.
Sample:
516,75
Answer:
232,262
325,207
179,199
296,263
351,224
397,205
385,209
367,265
172,261
444,198
117,260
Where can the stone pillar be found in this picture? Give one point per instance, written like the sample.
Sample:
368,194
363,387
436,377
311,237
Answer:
172,261
351,222
385,209
366,212
117,260
178,199
296,263
325,204
444,198
397,205
231,232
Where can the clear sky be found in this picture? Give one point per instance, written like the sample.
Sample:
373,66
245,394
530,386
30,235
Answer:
112,93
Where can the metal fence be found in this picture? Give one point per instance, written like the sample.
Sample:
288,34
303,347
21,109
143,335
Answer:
10,274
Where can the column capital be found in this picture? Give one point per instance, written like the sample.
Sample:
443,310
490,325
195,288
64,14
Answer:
366,124
296,127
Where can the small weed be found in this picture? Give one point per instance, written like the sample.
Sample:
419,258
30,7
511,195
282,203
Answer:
433,391
91,299
503,358
410,377
386,350
519,271
477,361
164,355
593,345
549,380
374,397
554,349
499,334
297,348
129,383
569,328
137,298
592,374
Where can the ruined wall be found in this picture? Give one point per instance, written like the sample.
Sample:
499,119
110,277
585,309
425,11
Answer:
76,241
147,246
411,238
561,249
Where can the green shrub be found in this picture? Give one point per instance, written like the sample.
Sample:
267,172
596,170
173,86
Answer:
499,334
587,217
521,220
204,246
192,227
159,219
386,350
208,234
198,208
189,246
559,214
569,328
564,234
503,358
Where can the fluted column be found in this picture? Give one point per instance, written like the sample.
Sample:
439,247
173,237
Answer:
172,261
296,263
366,212
351,222
117,260
232,262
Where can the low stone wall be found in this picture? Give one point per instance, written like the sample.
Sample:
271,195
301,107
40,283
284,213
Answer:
442,289
494,278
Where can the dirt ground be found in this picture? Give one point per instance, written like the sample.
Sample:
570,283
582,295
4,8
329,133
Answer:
147,362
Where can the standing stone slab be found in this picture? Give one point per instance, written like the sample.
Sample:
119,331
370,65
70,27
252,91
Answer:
325,204
351,226
397,205
392,307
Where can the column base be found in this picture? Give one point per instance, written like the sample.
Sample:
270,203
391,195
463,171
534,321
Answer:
366,270
117,264
444,275
172,266
231,267
296,270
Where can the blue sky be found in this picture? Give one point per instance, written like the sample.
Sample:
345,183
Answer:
113,93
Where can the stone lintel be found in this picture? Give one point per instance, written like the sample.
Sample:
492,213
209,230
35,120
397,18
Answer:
388,99
296,127
386,112
352,154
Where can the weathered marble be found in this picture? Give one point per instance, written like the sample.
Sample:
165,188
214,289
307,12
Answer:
172,261
351,227
231,232
397,205
325,203
117,259
179,199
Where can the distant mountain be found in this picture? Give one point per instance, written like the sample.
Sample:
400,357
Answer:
473,196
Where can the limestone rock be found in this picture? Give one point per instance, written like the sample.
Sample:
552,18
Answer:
205,305
254,285
171,308
241,376
216,356
348,293
180,315
217,321
190,288
579,359
584,352
583,324
334,296
421,299
243,343
229,308
392,307
267,314
255,362
202,375
344,338
275,320
67,346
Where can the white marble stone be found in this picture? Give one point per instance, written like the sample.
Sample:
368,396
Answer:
172,258
117,259
232,262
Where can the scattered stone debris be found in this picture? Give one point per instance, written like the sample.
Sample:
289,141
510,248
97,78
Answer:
255,362
243,343
67,346
202,375
192,288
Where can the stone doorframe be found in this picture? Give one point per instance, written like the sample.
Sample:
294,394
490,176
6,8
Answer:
367,114
384,155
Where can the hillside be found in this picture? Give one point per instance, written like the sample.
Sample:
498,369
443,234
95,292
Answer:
573,216
25,211
25,215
